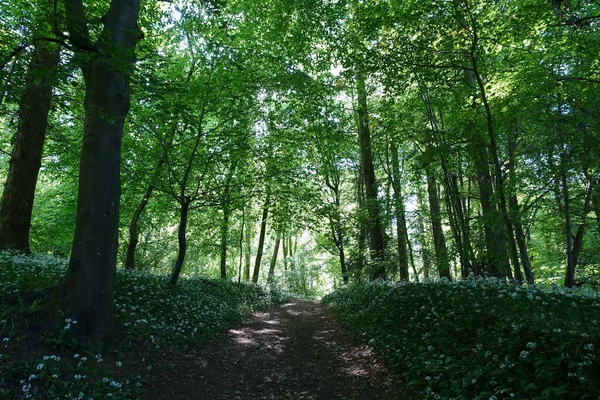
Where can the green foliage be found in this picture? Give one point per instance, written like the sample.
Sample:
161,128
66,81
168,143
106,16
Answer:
150,315
481,339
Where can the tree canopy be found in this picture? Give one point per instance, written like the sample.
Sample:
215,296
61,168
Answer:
342,140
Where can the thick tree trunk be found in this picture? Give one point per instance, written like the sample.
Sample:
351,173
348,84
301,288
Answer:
439,241
261,239
181,240
496,263
376,243
271,277
400,215
19,190
89,284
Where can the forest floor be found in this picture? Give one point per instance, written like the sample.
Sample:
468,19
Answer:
297,350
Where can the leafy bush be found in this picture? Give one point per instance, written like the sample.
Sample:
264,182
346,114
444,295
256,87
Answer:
481,339
150,315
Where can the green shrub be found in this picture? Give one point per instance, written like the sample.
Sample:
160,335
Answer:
481,339
150,315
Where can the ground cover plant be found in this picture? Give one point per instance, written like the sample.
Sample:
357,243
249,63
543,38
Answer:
481,338
151,318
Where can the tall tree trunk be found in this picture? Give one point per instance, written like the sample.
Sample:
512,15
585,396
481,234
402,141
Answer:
181,240
261,238
400,215
439,241
225,223
89,284
285,253
241,242
496,262
508,227
247,249
26,158
271,277
570,272
376,243
425,251
515,209
574,244
458,223
224,236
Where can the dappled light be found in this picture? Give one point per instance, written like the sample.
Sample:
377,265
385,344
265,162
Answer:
308,356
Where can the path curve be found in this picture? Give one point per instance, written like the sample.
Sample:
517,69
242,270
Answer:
296,350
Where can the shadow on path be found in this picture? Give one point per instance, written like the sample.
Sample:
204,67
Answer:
294,351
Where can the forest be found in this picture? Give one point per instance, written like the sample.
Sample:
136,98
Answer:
189,162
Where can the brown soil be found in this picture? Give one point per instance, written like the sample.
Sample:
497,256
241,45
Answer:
294,351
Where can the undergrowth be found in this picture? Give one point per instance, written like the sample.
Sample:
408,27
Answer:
481,339
150,315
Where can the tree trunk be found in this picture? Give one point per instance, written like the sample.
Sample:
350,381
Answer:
376,243
247,249
225,223
570,272
271,277
425,251
139,210
508,227
26,158
515,210
496,263
89,284
181,240
439,241
285,253
224,235
400,215
261,239
458,224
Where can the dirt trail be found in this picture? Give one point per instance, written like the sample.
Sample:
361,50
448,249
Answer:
294,351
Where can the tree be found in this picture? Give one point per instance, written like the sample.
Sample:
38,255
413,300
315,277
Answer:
376,243
87,289
34,107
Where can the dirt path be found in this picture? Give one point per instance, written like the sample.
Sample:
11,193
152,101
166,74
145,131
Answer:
295,351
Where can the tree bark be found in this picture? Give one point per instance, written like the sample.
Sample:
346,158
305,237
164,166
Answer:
400,215
225,223
247,248
261,239
508,226
26,158
88,286
516,211
439,241
570,271
181,240
271,277
285,253
376,243
425,250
